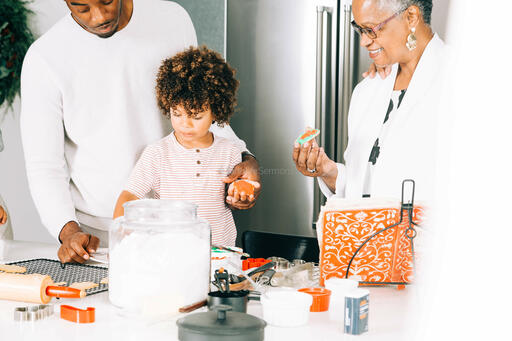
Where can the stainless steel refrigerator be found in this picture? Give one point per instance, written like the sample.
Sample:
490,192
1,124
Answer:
298,62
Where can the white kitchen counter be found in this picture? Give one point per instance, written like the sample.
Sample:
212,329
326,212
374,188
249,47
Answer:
388,310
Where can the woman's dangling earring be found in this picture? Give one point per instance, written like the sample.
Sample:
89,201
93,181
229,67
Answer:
411,40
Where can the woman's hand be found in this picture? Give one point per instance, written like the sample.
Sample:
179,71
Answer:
311,160
247,170
383,71
3,216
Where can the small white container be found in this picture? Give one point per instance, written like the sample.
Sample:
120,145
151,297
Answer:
286,308
339,287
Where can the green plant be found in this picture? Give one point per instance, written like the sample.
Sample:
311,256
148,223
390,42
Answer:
15,39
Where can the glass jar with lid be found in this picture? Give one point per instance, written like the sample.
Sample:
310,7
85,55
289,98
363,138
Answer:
159,258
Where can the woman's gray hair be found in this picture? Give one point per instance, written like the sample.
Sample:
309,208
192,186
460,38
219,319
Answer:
425,7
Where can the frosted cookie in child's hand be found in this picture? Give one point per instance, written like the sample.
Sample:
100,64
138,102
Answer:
244,188
309,135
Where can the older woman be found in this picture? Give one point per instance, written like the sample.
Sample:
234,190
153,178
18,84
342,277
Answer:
392,121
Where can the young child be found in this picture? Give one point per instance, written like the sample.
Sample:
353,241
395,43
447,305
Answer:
194,89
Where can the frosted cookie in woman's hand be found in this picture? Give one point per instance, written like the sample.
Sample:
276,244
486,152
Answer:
309,135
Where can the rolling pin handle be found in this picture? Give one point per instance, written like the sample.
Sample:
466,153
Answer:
64,292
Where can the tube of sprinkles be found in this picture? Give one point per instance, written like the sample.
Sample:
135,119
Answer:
357,305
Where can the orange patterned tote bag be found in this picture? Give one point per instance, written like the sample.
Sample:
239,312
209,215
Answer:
357,232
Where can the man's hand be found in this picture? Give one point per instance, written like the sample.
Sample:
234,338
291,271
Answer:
248,169
76,245
3,216
383,71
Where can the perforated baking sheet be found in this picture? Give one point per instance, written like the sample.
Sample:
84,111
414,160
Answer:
69,273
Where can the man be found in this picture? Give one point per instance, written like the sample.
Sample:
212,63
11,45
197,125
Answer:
89,108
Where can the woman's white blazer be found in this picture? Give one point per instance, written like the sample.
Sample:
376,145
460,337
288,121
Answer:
409,148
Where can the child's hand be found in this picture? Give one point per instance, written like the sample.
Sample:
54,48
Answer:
3,216
247,170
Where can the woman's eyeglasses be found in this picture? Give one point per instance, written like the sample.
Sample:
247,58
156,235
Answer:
372,32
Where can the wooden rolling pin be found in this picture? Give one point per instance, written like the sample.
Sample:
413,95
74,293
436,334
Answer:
33,288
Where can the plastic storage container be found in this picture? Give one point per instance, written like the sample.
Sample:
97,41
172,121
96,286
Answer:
286,308
339,287
159,258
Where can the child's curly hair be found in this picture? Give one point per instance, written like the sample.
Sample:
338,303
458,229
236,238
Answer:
197,78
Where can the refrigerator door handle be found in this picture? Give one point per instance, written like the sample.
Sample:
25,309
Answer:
348,80
319,65
320,105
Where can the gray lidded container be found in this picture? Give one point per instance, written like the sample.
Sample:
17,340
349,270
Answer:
221,325
237,300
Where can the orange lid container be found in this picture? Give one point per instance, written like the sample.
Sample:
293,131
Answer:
250,263
321,298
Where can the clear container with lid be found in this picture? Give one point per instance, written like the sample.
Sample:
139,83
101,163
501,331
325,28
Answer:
159,258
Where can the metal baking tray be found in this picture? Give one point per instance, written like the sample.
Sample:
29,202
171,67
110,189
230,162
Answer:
69,272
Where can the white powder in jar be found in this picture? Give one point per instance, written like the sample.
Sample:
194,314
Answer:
155,274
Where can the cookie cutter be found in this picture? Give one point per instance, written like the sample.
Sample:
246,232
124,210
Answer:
296,262
21,314
33,313
77,315
280,263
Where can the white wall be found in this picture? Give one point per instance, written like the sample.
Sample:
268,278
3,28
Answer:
439,16
13,181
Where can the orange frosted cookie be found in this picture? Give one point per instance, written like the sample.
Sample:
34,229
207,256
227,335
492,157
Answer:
244,186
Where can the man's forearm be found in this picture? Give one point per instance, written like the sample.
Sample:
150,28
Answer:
246,156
